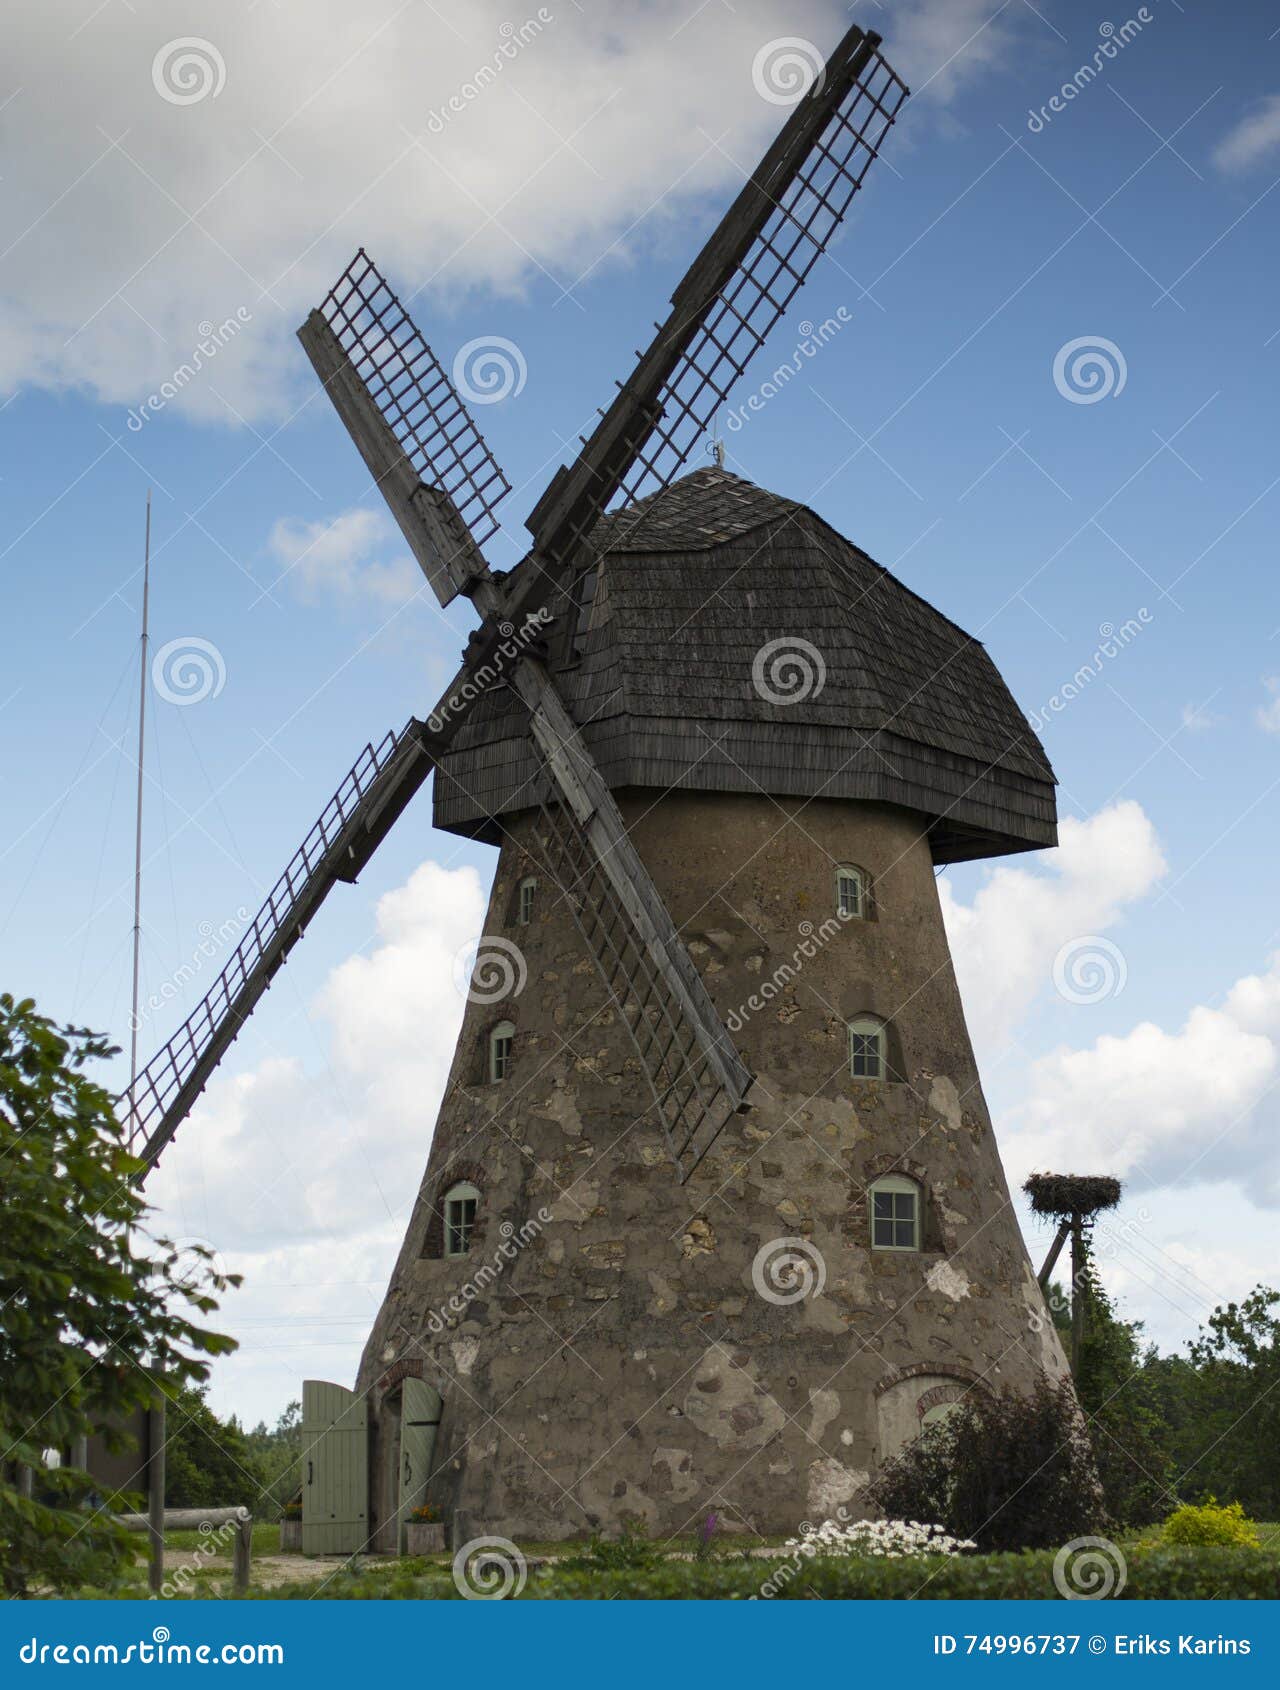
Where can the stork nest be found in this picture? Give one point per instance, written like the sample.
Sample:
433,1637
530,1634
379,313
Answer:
1064,1195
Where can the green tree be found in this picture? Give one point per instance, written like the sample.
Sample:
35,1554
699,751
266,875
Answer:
86,1298
1127,1427
209,1463
1231,1452
278,1450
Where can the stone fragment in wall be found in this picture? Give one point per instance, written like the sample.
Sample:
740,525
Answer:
739,1414
608,1253
699,1239
671,1475
754,963
948,1280
664,1297
464,1351
825,1405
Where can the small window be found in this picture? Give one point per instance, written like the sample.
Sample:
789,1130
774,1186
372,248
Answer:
459,1218
850,892
524,912
935,1416
895,1213
867,1049
500,1040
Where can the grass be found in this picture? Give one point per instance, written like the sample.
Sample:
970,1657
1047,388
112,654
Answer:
728,1573
266,1540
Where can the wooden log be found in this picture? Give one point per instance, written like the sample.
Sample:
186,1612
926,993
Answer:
185,1519
1055,1250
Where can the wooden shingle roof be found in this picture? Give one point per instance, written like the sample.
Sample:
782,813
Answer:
737,643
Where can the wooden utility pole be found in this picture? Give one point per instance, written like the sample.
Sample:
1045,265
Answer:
1077,1291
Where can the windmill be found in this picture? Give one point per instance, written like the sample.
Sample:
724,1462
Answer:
613,804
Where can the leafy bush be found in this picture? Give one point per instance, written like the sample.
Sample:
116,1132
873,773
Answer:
1210,1525
612,1555
1005,1470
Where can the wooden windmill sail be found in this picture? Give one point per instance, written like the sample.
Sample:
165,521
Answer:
442,485
745,1066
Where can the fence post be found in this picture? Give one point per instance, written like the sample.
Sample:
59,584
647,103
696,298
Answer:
155,1487
243,1552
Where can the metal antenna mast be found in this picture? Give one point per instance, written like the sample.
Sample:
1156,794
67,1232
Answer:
137,837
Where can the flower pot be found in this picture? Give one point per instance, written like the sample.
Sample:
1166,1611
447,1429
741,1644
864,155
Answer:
424,1537
291,1536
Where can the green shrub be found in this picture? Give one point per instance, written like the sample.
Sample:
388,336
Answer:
610,1555
1009,1471
1210,1525
1176,1574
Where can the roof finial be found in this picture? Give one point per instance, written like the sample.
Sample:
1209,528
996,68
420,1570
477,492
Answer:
715,447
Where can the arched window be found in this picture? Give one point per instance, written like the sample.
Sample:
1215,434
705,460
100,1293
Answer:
500,1039
460,1203
524,908
851,891
936,1415
895,1213
868,1049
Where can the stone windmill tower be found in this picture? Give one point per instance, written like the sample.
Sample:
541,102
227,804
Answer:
713,1215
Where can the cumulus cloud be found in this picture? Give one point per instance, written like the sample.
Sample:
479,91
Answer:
158,187
1164,1109
1199,719
301,1179
1004,943
337,556
1255,136
1268,715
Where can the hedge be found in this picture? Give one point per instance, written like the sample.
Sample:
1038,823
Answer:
1180,1574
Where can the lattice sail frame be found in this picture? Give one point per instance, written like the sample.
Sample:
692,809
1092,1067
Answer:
690,1104
321,859
805,218
415,395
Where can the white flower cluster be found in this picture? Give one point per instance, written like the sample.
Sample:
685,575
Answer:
877,1537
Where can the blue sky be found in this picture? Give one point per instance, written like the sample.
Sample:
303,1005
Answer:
929,429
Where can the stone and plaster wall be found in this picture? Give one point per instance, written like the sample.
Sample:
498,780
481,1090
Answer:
619,1363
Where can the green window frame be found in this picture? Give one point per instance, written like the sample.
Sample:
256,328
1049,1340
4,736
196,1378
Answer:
868,1049
851,891
501,1039
460,1204
894,1202
524,907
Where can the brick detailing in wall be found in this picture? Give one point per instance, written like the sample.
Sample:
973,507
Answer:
455,1174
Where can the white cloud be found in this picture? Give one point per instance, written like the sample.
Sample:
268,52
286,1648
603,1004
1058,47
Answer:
1198,718
1162,1109
303,1181
132,219
1253,137
1268,715
336,556
1005,942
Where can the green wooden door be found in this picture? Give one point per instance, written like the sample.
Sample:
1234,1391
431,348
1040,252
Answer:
335,1470
419,1421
